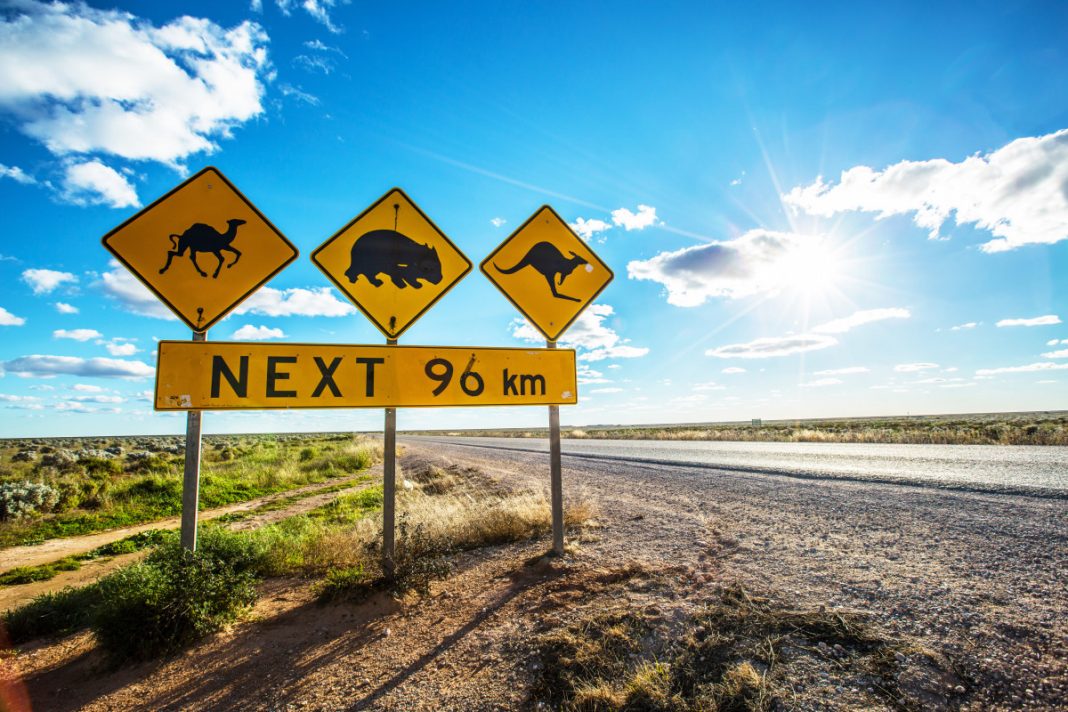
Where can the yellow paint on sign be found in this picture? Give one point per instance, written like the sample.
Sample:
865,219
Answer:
214,375
547,272
202,248
392,262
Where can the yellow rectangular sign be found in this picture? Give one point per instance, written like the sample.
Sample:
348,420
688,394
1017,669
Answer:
220,375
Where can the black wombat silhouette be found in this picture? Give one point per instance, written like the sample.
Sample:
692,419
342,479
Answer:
204,238
397,256
550,263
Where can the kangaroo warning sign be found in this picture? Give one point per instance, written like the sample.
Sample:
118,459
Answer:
392,262
547,272
216,375
202,248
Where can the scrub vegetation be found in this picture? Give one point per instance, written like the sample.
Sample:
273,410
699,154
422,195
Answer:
52,488
173,598
1037,428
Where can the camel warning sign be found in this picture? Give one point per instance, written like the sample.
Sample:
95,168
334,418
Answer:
202,248
392,262
547,272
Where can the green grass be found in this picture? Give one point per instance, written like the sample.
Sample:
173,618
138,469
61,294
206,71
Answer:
98,494
44,572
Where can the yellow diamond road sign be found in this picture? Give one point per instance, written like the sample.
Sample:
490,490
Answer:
202,248
547,272
392,262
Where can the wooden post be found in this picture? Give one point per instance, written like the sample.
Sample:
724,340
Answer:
555,476
389,487
191,481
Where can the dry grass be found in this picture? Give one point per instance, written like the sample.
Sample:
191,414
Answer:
741,653
1037,428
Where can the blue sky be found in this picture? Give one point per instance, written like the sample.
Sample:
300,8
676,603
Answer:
855,210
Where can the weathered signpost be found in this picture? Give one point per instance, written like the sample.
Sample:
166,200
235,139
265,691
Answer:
550,275
239,251
393,263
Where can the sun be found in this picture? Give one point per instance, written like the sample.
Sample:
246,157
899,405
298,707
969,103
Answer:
813,266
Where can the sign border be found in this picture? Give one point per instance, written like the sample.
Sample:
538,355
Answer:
226,312
565,327
533,349
315,253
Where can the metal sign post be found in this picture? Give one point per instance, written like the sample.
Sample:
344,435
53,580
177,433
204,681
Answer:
389,487
191,481
556,486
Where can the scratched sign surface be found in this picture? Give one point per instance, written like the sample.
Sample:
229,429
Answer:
215,375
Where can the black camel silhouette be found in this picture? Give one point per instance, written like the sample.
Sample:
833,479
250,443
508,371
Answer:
204,238
550,263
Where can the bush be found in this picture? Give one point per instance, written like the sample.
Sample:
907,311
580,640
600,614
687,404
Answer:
175,597
52,613
21,499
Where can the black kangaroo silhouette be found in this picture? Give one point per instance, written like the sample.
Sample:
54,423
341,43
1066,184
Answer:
550,263
204,238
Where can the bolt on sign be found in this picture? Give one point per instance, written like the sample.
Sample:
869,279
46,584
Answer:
201,249
218,375
392,262
547,272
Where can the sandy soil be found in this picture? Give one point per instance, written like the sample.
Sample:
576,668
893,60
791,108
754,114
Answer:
978,580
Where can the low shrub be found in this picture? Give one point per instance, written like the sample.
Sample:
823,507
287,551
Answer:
22,499
52,613
175,597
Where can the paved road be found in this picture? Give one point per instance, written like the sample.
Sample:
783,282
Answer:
1031,470
962,549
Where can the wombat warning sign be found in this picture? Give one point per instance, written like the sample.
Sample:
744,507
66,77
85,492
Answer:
392,262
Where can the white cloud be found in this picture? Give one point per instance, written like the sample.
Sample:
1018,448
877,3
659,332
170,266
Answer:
708,386
64,308
1047,320
842,371
121,349
98,399
318,9
752,263
1062,353
498,222
45,365
821,382
816,339
248,332
1029,368
841,326
299,94
769,347
914,367
16,174
9,319
733,369
645,217
86,388
317,301
1016,193
958,385
82,80
93,183
606,390
587,229
44,281
119,284
962,327
1054,342
589,334
76,334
